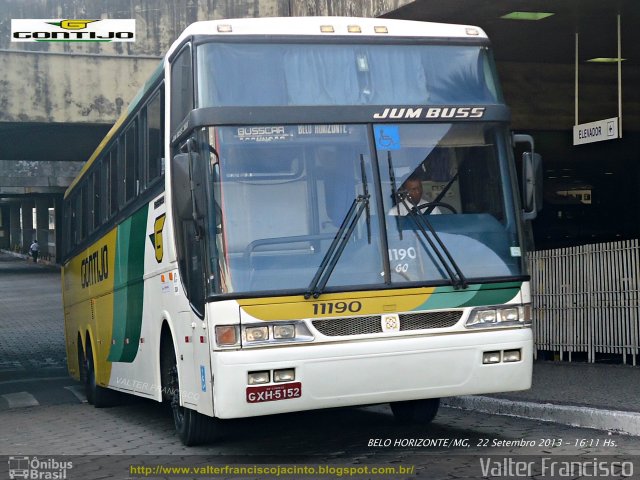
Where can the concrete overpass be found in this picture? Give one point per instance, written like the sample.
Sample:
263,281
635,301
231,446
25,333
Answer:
57,100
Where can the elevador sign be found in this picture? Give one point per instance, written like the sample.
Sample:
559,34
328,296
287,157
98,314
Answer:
73,30
595,131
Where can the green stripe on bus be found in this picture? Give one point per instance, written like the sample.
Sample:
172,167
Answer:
128,287
474,295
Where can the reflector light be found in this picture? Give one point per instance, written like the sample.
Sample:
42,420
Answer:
354,29
381,29
326,28
226,335
224,28
472,31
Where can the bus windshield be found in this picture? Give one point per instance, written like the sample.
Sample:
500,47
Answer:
277,74
282,192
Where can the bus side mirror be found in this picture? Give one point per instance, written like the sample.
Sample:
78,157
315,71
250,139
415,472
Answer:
181,184
531,184
188,188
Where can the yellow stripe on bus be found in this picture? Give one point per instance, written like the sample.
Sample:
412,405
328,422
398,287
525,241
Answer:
337,304
88,284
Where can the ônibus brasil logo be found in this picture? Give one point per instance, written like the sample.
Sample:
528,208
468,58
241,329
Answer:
73,30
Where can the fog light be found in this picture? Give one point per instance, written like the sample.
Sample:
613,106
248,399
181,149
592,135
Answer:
226,335
511,356
491,357
257,378
284,331
285,375
257,334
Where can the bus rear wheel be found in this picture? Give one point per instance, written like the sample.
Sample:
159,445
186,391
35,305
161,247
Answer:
192,427
97,396
415,411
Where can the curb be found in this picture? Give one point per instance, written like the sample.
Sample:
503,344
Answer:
584,417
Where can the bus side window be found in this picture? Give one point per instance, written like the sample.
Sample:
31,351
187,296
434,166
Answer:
154,137
181,87
114,179
96,199
86,211
130,160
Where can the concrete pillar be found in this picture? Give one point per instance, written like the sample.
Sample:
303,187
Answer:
57,204
28,233
15,234
42,223
4,226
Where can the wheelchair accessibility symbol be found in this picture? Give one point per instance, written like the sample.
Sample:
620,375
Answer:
387,137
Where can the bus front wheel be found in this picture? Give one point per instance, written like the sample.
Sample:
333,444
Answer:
415,411
192,427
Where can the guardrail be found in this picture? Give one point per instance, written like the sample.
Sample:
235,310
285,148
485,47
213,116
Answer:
585,300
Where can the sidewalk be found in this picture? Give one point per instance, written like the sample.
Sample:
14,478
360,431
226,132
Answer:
605,397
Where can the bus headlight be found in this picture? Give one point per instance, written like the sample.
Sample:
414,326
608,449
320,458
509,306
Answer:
487,317
284,331
257,334
275,333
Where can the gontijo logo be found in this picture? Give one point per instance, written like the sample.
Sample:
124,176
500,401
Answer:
73,30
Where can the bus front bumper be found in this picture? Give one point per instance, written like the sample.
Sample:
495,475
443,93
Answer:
368,372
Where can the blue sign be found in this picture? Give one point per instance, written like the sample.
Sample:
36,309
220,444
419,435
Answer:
387,137
203,381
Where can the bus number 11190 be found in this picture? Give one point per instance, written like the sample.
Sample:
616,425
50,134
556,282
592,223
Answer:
328,308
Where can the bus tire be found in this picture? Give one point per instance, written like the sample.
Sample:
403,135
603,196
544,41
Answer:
415,411
97,396
192,427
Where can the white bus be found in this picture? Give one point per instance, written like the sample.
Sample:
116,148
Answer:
303,213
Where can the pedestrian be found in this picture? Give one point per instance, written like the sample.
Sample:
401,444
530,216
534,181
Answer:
34,249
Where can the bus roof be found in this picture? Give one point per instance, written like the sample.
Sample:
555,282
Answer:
329,26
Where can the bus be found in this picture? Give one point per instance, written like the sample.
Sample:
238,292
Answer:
244,241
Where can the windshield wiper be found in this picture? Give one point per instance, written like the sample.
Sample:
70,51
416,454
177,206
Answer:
457,278
394,193
339,243
365,194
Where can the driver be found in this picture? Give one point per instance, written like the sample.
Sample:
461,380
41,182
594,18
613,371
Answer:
413,193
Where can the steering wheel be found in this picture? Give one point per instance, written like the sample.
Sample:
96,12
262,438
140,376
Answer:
437,204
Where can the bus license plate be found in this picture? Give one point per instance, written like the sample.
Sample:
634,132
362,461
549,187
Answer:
271,393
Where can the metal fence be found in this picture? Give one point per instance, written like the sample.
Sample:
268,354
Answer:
585,300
